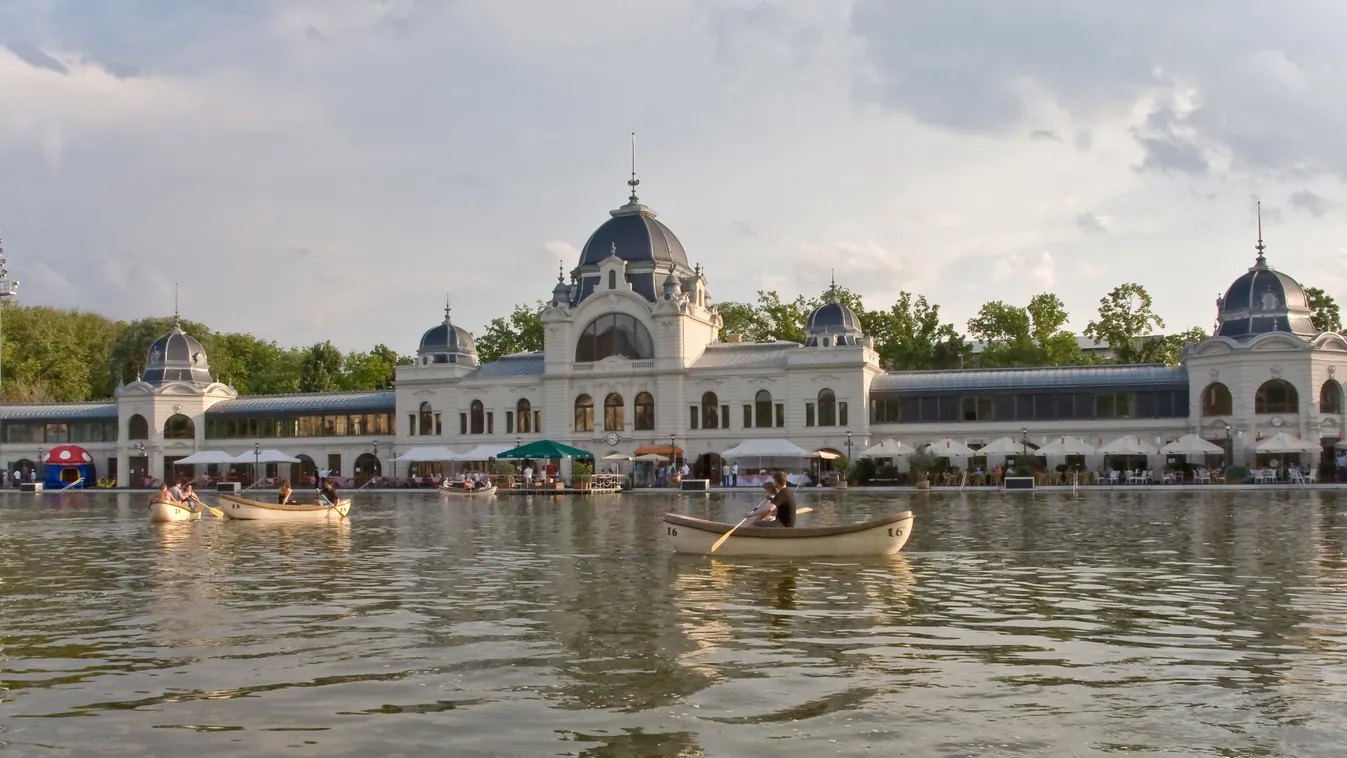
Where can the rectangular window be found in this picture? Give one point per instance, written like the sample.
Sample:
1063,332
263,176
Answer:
808,414
1113,406
947,409
509,422
976,409
334,464
1045,408
694,414
748,416
411,424
724,417
439,429
462,423
537,421
1024,408
490,422
842,413
781,415
339,428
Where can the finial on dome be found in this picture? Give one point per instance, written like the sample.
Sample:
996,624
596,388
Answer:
832,288
177,323
633,181
613,250
561,270
1261,260
447,309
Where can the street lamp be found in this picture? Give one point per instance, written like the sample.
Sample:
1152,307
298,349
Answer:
257,457
8,288
1229,446
848,446
377,464
1024,442
516,441
673,456
41,472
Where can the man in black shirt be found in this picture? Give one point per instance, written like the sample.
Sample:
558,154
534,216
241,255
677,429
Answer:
784,499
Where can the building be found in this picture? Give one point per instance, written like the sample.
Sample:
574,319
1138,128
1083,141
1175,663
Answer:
632,358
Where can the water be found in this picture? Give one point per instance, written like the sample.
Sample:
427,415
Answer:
1143,624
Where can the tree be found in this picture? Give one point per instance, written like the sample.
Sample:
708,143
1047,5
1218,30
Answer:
783,320
45,355
742,319
910,336
374,370
522,332
253,366
1324,310
1126,323
320,369
1005,333
1169,349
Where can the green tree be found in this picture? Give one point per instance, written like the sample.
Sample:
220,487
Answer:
1169,349
521,332
1324,310
374,370
1004,331
320,368
742,319
1127,323
783,320
253,366
45,355
910,336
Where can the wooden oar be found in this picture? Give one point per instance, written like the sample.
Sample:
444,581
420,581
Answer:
216,512
331,505
726,535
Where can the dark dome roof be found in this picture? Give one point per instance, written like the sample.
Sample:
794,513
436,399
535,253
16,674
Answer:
834,319
176,357
447,338
635,236
1263,301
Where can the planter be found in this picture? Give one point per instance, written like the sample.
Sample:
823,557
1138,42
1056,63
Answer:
923,484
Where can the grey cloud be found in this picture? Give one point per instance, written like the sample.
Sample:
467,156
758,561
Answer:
314,33
1084,140
36,58
1091,223
1313,204
1044,134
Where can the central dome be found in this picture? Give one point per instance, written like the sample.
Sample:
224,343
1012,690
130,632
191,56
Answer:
635,236
176,357
833,324
1263,301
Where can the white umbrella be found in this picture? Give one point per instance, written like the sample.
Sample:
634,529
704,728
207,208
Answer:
1129,445
1006,446
1285,443
1191,444
652,458
428,455
888,449
768,448
1066,446
948,448
263,456
481,453
207,457
617,457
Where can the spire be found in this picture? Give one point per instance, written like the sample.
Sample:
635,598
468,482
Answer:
633,181
447,309
561,270
1261,260
177,323
832,288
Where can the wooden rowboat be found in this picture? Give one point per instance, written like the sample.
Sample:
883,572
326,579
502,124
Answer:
163,510
881,536
236,507
447,490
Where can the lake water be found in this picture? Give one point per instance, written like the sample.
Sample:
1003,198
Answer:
1044,625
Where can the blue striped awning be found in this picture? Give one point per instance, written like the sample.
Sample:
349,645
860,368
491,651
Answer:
98,411
1065,377
380,401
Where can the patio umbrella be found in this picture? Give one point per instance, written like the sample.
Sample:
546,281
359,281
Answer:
1191,444
888,449
1007,446
545,449
264,456
1129,445
207,457
948,448
617,457
1285,443
652,458
482,453
428,455
1066,446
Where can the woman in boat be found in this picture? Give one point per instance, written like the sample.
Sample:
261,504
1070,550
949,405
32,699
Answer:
329,492
284,497
164,495
189,497
765,513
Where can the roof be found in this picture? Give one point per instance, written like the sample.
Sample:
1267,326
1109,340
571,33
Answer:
59,411
176,357
446,337
519,364
633,235
311,402
1120,376
1086,344
745,355
1265,300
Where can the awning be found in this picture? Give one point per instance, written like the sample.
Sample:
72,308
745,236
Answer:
1007,446
1285,443
664,450
483,453
888,449
827,455
428,455
1066,446
1191,444
206,456
545,449
263,456
948,448
1130,445
768,448
617,457
652,458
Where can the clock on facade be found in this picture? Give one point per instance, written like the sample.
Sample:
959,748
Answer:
1278,421
611,438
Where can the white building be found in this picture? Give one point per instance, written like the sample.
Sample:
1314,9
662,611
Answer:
632,359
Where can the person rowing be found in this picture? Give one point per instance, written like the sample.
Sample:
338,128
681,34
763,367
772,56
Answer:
284,497
175,493
765,513
784,499
329,493
189,497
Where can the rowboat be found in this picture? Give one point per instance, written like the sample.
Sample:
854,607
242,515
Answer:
881,536
243,509
163,510
461,492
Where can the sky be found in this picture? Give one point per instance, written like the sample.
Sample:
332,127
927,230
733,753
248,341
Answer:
324,169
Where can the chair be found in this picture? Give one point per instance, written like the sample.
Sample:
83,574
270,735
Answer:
1312,476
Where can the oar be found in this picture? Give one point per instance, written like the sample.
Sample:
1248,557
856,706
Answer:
726,535
216,512
331,505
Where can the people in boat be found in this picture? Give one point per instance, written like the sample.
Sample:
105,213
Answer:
175,493
765,513
189,497
329,492
284,497
784,499
164,495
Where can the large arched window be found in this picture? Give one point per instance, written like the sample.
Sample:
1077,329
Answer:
710,411
138,428
827,408
427,420
613,413
762,409
1216,400
584,414
524,412
1330,397
476,417
179,427
645,412
1276,396
614,334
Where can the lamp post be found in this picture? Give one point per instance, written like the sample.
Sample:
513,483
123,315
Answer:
257,457
1024,442
376,460
673,456
1229,446
8,288
41,472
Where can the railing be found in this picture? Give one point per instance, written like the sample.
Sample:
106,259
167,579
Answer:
642,364
75,483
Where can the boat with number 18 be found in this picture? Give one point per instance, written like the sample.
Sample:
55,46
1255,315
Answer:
242,509
881,536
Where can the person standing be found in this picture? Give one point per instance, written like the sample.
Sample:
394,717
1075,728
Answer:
734,474
17,478
322,477
725,475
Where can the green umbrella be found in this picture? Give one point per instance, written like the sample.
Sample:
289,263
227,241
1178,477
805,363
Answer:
545,449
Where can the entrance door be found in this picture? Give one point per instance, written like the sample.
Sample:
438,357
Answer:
708,467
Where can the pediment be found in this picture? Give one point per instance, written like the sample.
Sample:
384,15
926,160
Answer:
1213,346
180,389
1277,341
1330,342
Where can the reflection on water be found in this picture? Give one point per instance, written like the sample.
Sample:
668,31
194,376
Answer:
1194,623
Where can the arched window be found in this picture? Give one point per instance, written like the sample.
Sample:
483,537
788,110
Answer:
762,409
710,411
1216,400
584,414
427,420
827,408
614,334
138,428
613,420
524,412
476,417
1330,397
612,280
645,412
179,427
1276,396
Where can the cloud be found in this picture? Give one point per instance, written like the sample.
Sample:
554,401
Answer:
1044,134
568,253
36,58
1313,204
1091,222
1038,269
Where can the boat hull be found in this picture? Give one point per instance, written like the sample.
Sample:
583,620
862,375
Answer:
250,510
460,492
161,511
882,536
